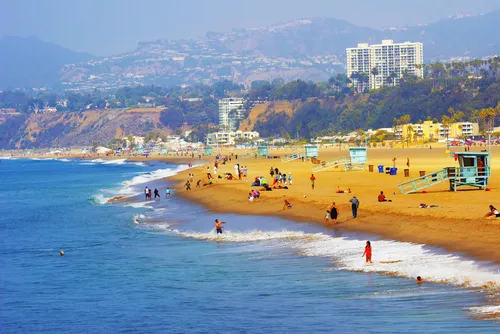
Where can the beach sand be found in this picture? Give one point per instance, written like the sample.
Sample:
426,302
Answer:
457,224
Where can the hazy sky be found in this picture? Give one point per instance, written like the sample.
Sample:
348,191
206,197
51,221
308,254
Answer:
104,27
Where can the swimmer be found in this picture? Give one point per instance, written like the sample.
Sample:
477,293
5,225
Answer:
419,280
368,252
218,226
61,253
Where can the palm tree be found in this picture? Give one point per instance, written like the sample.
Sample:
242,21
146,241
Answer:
374,72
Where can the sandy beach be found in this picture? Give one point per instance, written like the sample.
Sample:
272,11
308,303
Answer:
457,224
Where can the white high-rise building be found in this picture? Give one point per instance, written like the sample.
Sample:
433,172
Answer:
231,111
377,65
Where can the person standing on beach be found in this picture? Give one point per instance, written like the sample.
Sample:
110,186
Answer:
209,176
408,162
394,162
334,213
157,194
146,193
188,185
150,192
312,178
215,170
368,252
218,226
271,172
290,178
167,192
355,205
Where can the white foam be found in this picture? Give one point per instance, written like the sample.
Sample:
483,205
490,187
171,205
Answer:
88,163
251,236
485,310
99,199
97,160
64,160
389,257
115,162
8,158
155,175
139,205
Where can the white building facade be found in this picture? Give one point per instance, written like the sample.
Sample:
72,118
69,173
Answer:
229,138
231,112
384,64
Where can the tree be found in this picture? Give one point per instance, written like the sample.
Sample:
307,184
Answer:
374,72
131,141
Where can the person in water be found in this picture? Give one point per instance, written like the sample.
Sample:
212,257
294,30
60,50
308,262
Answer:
157,193
334,213
167,192
327,217
419,280
218,226
368,252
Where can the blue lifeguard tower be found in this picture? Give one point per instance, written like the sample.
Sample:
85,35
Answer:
311,151
262,151
358,158
473,171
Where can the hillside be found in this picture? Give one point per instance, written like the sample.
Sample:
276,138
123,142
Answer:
74,129
30,62
476,36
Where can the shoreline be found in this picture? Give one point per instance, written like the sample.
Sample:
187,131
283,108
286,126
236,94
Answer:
454,227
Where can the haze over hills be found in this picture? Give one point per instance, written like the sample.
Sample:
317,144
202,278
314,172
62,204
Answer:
310,49
33,63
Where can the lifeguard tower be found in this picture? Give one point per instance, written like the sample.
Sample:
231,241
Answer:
310,151
473,171
262,151
358,157
208,151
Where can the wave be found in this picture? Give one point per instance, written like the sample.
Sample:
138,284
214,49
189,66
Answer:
64,160
8,158
390,257
155,175
98,199
97,160
114,162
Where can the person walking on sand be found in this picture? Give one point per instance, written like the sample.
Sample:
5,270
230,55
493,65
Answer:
408,162
334,213
368,252
218,226
290,178
312,178
355,205
209,176
394,162
188,185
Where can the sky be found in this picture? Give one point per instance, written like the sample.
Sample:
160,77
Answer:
106,27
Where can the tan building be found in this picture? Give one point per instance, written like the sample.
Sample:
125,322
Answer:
429,131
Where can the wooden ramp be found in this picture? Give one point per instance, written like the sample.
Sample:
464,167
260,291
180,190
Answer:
325,165
423,182
292,157
247,156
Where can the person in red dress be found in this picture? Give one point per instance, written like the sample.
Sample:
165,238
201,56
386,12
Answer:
368,252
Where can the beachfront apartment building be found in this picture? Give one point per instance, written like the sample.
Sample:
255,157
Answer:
229,138
376,65
231,112
429,131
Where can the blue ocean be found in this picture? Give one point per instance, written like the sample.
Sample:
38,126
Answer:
159,267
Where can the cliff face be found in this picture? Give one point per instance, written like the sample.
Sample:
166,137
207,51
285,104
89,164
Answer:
74,129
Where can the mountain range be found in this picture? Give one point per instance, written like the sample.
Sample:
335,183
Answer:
307,48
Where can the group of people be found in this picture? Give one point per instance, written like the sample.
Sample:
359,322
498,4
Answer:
148,193
253,195
279,177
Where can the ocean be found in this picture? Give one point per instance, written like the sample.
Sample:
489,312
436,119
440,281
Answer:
158,267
